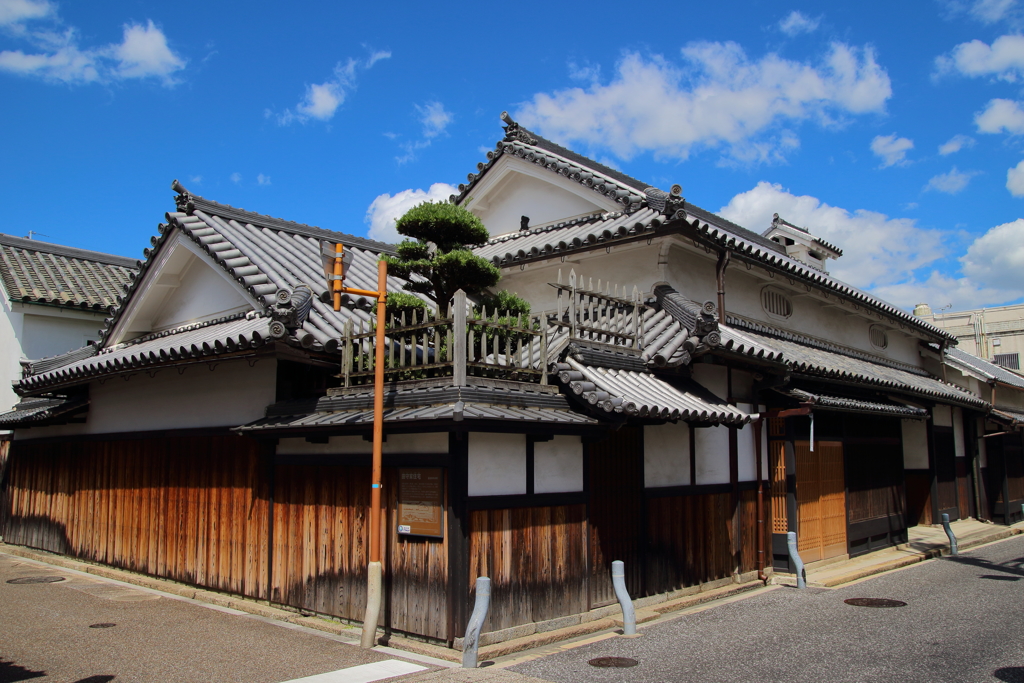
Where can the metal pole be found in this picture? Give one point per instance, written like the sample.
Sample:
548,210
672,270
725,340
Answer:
375,569
619,583
949,533
339,270
798,564
471,643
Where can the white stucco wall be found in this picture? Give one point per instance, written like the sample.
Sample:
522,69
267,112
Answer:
915,444
667,455
942,416
746,454
558,465
958,433
433,442
230,395
10,348
714,378
712,444
497,464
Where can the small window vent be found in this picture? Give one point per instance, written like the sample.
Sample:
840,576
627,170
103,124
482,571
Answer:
878,337
775,303
1008,360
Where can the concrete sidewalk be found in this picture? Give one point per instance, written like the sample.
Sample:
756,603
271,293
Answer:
924,543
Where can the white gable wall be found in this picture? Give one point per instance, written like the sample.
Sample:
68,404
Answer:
667,455
230,395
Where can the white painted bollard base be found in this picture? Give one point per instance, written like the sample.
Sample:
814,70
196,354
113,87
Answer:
373,595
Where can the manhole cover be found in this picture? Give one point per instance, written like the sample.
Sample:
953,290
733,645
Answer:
36,579
105,624
613,662
875,602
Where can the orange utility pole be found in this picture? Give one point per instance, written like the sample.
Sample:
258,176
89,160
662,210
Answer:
374,573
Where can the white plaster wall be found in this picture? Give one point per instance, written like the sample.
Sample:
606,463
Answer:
521,195
667,455
558,465
497,464
712,444
958,433
202,294
764,445
714,378
942,416
44,336
692,273
10,347
231,395
742,386
746,455
431,442
915,444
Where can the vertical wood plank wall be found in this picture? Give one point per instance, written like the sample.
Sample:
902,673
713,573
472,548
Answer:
192,509
536,558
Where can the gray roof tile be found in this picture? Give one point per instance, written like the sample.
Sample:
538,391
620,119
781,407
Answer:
987,369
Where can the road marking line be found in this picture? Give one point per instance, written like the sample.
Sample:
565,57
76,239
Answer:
364,673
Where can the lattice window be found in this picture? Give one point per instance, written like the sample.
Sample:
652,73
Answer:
777,463
775,303
1008,360
878,336
776,426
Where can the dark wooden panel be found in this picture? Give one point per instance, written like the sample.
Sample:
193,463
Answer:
919,496
536,559
965,497
185,508
874,481
945,470
615,509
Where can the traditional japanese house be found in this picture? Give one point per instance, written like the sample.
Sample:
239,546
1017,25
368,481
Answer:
684,392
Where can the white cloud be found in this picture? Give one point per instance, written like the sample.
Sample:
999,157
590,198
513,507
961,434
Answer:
57,56
1015,180
144,52
893,257
1000,116
950,183
386,209
434,118
877,250
1003,60
262,179
955,144
236,178
195,179
718,97
991,11
797,23
17,11
322,100
891,149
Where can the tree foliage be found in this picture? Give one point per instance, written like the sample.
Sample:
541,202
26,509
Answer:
439,251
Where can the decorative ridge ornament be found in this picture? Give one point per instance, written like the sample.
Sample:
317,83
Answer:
666,203
513,131
184,199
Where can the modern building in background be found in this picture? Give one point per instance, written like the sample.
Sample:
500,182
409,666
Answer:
995,334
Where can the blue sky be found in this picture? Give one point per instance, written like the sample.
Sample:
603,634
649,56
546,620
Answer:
892,129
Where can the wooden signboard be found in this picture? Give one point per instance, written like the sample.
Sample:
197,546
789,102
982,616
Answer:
421,501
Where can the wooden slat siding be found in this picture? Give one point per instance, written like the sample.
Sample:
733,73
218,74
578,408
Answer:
777,468
821,500
536,560
963,488
126,503
945,469
919,490
833,498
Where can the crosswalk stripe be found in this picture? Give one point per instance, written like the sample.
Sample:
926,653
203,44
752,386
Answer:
364,673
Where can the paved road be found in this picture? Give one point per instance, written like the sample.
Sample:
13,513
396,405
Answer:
964,621
46,634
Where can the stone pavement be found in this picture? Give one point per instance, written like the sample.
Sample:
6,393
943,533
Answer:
923,543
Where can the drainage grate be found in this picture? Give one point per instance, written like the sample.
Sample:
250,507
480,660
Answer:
613,662
105,624
875,602
36,579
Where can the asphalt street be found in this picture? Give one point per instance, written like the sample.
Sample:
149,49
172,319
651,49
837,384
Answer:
83,629
962,622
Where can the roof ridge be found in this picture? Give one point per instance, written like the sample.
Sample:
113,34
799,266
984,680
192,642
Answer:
69,252
188,202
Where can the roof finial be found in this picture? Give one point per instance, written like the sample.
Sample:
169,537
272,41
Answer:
184,199
515,133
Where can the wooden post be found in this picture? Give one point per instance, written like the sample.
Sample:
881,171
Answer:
459,342
543,351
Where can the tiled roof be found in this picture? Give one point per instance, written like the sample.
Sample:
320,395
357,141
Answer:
1010,418
854,405
805,355
641,394
44,273
638,218
737,341
989,370
35,411
426,404
190,343
265,254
